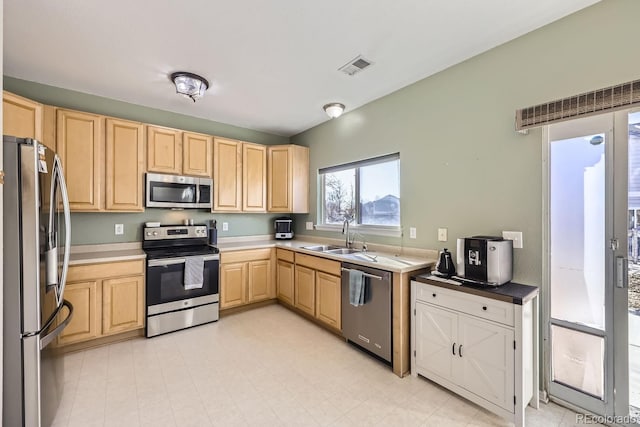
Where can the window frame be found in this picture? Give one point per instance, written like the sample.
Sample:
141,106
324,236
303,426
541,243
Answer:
356,225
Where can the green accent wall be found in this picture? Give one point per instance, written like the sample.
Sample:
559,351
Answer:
463,166
94,228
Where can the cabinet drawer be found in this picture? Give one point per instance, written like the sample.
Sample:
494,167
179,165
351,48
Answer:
485,308
79,273
242,256
284,255
317,263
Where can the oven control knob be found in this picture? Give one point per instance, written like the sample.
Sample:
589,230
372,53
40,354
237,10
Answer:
155,233
148,233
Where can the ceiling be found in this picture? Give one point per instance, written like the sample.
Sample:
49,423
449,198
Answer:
272,65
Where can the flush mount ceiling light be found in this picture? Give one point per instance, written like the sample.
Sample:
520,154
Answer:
334,109
190,85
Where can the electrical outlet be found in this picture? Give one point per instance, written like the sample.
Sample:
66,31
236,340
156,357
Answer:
119,229
442,234
309,225
516,236
412,232
225,226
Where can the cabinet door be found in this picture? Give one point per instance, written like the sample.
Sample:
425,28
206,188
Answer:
486,360
164,150
197,154
125,165
260,282
21,117
122,304
227,175
436,336
233,279
285,277
80,147
254,177
85,323
328,299
280,182
305,289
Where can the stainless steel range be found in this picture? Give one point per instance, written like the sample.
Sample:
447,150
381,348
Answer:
175,256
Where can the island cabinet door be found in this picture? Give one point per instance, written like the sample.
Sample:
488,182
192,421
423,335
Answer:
486,360
305,289
436,340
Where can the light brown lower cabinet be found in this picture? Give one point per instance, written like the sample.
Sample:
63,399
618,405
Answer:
285,275
107,299
317,288
305,289
246,277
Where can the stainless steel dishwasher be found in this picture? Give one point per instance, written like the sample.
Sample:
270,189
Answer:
369,325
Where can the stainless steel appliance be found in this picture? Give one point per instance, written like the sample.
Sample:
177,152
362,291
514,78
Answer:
284,228
181,192
171,303
485,260
369,325
37,240
445,266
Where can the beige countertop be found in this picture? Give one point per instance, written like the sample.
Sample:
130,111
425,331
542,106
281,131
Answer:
394,259
92,254
386,257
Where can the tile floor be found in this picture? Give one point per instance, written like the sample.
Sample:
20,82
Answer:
265,367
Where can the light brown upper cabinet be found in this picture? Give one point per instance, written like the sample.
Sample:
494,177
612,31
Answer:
80,147
22,117
164,150
254,177
227,175
288,179
197,154
124,165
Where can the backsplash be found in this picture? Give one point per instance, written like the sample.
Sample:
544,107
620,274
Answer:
94,228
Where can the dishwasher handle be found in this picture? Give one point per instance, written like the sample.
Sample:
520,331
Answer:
372,276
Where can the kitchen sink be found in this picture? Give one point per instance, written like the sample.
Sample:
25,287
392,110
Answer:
342,251
322,248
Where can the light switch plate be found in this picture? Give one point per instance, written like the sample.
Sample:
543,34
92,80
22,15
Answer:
412,232
309,225
442,234
119,229
516,236
225,226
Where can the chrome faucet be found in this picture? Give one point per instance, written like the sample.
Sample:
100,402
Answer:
345,230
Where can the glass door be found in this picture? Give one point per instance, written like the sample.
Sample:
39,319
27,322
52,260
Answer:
593,265
580,263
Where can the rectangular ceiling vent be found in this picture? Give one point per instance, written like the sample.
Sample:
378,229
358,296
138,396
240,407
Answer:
356,65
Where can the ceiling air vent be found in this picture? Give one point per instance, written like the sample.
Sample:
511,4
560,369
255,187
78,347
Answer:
356,65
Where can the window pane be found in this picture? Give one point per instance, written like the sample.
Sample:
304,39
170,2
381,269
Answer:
578,360
577,219
339,196
380,194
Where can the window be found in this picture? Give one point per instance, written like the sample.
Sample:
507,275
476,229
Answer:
366,192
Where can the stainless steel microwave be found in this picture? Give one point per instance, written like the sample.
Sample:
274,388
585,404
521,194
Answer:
175,191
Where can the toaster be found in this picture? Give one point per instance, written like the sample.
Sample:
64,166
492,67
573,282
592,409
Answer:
485,259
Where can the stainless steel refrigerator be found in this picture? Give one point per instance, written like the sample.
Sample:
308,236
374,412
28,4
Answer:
36,259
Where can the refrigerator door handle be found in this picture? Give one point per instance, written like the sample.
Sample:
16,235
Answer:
46,340
52,250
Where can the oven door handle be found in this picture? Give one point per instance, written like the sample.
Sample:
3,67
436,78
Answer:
171,261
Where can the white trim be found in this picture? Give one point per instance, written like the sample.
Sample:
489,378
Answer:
367,230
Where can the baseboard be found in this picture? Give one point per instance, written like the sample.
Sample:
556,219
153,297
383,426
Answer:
99,342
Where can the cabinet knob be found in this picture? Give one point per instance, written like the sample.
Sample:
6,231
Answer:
484,307
434,295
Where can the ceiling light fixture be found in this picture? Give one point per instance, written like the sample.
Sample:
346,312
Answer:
333,109
190,85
